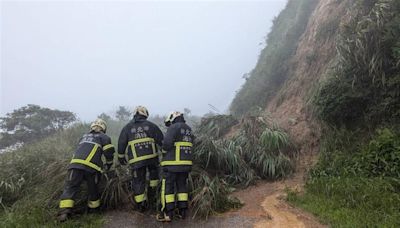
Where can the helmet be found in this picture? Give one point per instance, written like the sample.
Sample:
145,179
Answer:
99,125
141,110
171,117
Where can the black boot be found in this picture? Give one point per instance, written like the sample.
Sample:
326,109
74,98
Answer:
142,207
152,199
182,213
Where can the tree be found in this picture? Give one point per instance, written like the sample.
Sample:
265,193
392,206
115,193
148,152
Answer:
123,114
104,117
32,122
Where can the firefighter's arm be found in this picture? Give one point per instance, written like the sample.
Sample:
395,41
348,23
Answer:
122,143
108,151
158,135
169,139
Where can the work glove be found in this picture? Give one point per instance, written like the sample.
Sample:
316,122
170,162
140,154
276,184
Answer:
122,161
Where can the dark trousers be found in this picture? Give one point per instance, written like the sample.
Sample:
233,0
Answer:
72,186
139,181
174,182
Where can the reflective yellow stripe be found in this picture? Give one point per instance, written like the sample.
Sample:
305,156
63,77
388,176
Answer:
92,153
183,196
170,198
153,183
136,141
177,160
178,149
140,198
162,194
178,144
121,155
87,163
67,203
106,147
166,163
94,204
141,158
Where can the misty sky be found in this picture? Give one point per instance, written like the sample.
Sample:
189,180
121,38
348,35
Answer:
91,57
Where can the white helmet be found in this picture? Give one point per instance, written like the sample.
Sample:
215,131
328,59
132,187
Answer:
141,110
171,117
99,125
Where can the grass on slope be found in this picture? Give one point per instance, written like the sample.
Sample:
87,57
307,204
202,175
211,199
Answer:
355,185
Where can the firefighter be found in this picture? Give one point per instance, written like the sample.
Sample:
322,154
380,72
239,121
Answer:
176,164
87,165
139,141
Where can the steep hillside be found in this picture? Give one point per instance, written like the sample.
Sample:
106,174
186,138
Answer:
315,52
312,42
339,94
312,50
272,68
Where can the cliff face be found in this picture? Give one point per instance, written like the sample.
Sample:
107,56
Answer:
315,52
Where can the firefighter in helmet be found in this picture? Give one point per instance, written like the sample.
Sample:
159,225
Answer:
137,145
87,165
176,164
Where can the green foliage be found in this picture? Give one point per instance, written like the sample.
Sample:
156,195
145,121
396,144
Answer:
115,188
351,201
34,164
364,85
260,150
33,176
32,180
356,182
378,158
271,70
210,195
37,216
274,139
32,122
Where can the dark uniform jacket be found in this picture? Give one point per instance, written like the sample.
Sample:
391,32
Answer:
88,156
139,139
177,147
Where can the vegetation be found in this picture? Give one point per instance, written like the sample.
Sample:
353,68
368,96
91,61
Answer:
258,150
364,87
32,122
272,68
355,185
32,177
356,182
